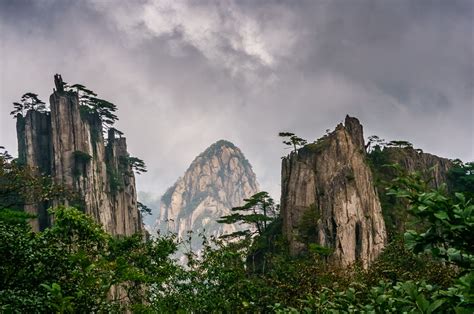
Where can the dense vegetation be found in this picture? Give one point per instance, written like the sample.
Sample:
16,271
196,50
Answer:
75,266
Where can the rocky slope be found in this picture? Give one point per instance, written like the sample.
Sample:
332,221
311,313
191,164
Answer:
329,198
433,169
217,180
69,146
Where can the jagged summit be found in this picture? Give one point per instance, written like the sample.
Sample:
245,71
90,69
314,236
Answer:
217,180
328,198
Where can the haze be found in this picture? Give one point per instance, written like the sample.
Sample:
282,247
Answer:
185,74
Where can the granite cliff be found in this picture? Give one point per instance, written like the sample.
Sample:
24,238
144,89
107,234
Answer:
329,199
434,170
67,144
217,180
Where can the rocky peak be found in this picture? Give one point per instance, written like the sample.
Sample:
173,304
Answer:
356,130
329,199
217,180
69,146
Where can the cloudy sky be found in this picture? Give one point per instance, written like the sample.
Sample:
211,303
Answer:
185,74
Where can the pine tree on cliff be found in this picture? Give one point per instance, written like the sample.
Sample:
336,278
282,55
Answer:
292,140
28,101
90,103
258,211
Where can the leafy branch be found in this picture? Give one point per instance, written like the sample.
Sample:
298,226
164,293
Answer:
292,140
28,101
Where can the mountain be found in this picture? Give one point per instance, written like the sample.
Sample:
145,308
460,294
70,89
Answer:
217,180
334,193
67,144
328,198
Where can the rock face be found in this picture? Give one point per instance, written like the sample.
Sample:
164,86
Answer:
34,147
69,146
433,169
411,160
217,180
329,199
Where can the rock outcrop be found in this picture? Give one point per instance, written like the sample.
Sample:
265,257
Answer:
217,180
435,168
34,149
329,198
68,145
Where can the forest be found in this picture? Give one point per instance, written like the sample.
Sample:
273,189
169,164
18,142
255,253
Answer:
76,266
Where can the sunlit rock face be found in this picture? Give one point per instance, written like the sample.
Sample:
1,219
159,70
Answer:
217,180
329,199
69,146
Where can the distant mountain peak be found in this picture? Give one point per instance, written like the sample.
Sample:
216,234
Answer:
218,179
222,143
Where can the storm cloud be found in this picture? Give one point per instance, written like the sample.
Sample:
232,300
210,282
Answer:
185,74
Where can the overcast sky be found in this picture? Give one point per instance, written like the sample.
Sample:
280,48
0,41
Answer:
185,74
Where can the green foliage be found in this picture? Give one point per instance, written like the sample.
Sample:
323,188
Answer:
225,279
216,281
292,140
318,145
258,211
319,249
4,155
144,209
461,178
308,225
116,183
374,142
90,104
403,297
381,161
22,185
81,156
56,301
81,160
75,266
136,164
449,234
28,101
14,217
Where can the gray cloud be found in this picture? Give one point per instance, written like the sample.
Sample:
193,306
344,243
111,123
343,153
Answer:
185,73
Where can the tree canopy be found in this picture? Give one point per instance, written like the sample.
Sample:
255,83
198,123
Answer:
258,211
292,140
28,101
91,104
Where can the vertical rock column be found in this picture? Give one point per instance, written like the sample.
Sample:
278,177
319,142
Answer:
126,218
70,147
67,135
34,147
